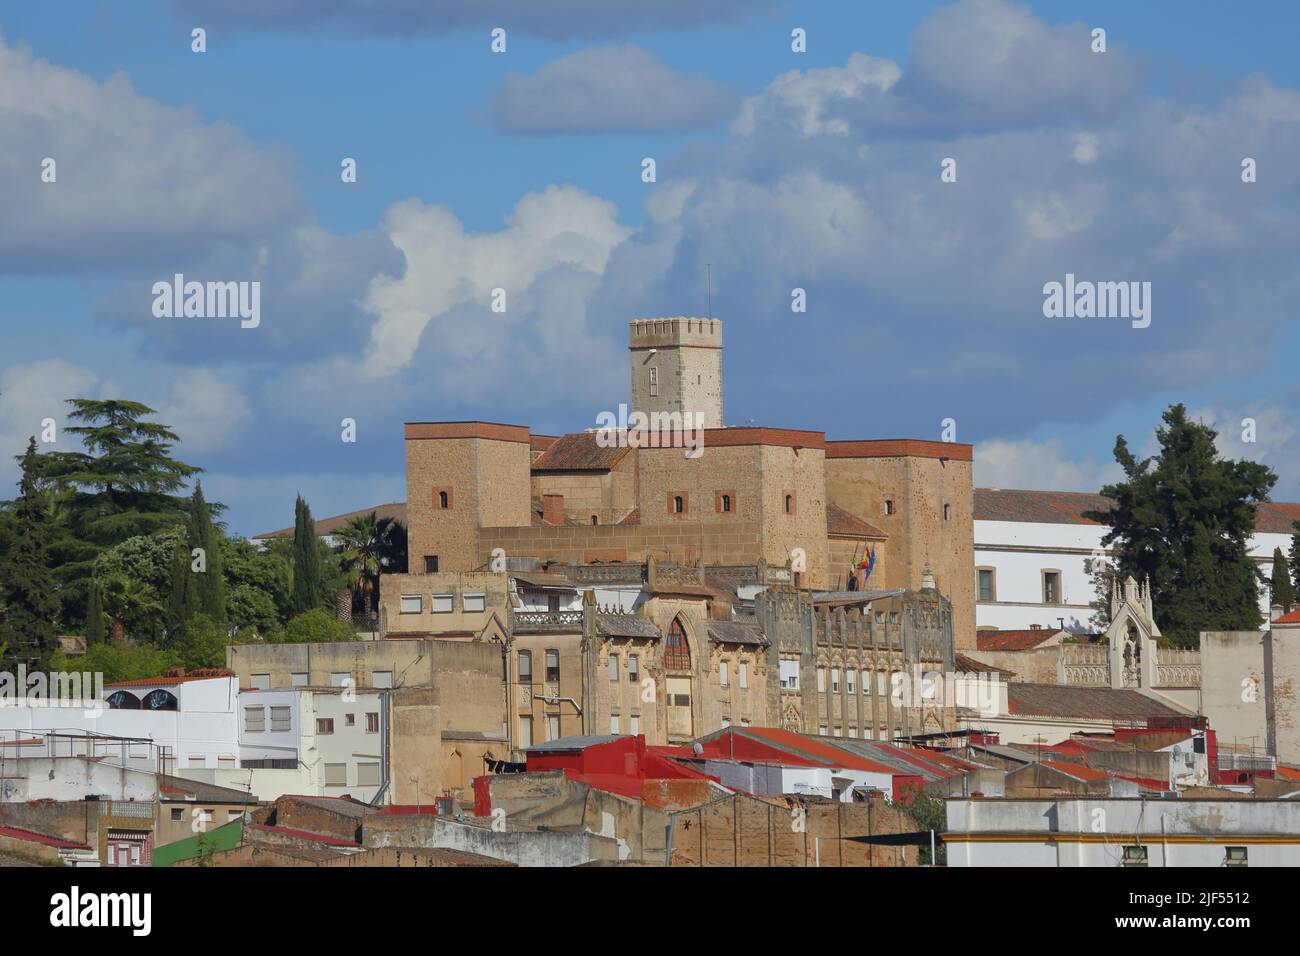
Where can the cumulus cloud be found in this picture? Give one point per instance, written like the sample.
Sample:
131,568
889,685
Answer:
134,180
555,19
1041,465
610,89
204,410
31,393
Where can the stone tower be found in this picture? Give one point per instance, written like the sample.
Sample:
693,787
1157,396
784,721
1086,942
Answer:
677,367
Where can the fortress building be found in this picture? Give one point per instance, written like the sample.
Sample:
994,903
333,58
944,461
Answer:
657,486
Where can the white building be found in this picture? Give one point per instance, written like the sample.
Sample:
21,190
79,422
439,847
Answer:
1030,549
1123,832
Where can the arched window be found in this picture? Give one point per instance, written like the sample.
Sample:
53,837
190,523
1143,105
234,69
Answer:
678,505
123,700
160,700
677,653
442,499
789,504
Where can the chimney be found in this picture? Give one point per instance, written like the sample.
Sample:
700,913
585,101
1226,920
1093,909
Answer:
1274,612
553,509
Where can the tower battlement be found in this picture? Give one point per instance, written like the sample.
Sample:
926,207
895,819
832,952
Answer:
681,330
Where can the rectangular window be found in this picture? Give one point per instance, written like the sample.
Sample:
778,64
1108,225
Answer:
261,681
300,680
1051,587
889,506
178,814
552,728
821,680
726,722
613,723
634,727
654,381
340,678
443,604
205,815
835,680
613,668
744,674
633,669
349,720
553,667
1135,856
744,722
372,723
525,667
1235,856
381,679
281,720
851,681
475,602
722,673
336,775
254,720
984,577
411,604
430,564
525,732
198,760
790,675
368,774
324,725
821,730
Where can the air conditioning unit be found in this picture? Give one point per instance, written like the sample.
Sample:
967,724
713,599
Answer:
1169,795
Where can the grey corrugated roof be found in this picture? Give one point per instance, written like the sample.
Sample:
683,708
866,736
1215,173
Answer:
578,742
736,632
1054,700
626,625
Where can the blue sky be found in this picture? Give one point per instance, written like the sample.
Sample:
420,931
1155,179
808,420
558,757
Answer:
521,170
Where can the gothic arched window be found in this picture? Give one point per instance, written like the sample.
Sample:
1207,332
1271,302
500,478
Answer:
677,653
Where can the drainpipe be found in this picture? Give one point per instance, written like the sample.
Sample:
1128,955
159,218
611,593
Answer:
385,733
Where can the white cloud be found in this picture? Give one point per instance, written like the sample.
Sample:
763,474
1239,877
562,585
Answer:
610,89
136,180
31,393
1039,466
203,410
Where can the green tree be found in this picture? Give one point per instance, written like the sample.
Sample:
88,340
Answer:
308,577
27,586
257,586
133,608
182,594
202,643
95,630
1283,591
1295,556
1183,519
370,545
119,661
928,812
122,485
315,626
203,535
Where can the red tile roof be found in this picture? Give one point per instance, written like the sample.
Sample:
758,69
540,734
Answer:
580,451
811,746
1067,507
1291,618
172,678
1014,640
839,521
395,510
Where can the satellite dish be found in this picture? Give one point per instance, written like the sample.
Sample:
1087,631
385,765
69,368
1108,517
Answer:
697,749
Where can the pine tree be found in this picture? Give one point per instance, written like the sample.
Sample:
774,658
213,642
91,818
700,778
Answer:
183,595
1283,593
1183,520
307,569
95,630
203,535
1295,556
26,583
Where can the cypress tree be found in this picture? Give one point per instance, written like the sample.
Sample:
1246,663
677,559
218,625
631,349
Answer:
307,569
211,585
95,630
183,596
1283,593
1183,520
26,583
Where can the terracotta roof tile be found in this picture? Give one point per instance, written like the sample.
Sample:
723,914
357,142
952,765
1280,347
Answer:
839,521
1013,640
580,451
1098,703
1067,507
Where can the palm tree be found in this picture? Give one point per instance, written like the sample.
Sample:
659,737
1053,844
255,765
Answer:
129,602
367,541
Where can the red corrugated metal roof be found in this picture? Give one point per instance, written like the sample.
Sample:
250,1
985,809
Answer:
31,836
1077,770
828,753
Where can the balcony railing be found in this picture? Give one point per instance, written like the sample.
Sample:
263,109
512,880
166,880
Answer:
535,622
